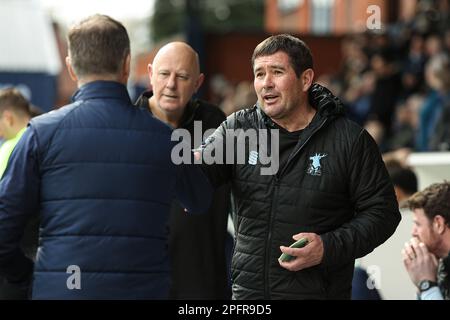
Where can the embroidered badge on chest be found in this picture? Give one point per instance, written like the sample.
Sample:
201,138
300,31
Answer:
315,167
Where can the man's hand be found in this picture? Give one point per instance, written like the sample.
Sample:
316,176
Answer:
419,262
197,155
308,256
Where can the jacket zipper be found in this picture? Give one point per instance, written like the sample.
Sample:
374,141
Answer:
272,213
269,241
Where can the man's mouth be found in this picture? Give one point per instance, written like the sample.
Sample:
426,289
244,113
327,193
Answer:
270,98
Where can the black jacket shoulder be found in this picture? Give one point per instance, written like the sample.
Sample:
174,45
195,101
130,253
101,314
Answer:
208,113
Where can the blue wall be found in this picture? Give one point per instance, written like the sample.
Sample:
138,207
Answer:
40,87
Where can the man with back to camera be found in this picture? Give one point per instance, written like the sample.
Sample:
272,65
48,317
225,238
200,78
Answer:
331,186
89,169
196,242
427,256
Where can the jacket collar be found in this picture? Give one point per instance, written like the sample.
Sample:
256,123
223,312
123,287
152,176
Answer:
102,90
326,104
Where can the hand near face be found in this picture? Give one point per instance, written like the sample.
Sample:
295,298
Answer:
419,262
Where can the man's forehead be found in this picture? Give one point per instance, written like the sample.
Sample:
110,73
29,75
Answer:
172,67
176,63
419,214
271,61
277,56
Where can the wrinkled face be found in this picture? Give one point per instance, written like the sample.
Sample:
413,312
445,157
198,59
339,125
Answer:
278,89
424,231
174,77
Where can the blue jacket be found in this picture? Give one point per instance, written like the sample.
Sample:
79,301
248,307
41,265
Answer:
99,172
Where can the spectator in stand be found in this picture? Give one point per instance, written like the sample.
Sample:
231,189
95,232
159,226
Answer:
437,76
427,256
405,124
413,66
387,91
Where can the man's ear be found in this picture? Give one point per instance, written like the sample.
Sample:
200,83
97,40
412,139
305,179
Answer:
307,79
150,72
127,67
72,74
439,224
200,80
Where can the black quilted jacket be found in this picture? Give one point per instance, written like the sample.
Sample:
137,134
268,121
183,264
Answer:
345,195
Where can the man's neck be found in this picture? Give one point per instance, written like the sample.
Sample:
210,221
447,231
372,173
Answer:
91,78
298,120
173,118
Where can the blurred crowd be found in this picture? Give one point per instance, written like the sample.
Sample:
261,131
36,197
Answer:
230,97
396,83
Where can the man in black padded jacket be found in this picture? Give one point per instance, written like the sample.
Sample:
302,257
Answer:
330,187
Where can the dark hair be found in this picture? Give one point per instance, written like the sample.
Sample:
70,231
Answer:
12,99
98,45
299,54
434,200
405,179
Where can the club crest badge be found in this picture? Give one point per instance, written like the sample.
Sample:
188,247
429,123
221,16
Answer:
315,167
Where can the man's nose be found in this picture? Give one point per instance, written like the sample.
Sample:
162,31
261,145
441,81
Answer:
171,82
414,232
267,81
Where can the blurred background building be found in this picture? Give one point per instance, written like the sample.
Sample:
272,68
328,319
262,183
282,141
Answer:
29,56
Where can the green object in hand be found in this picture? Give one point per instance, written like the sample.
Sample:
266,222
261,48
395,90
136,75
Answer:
297,244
